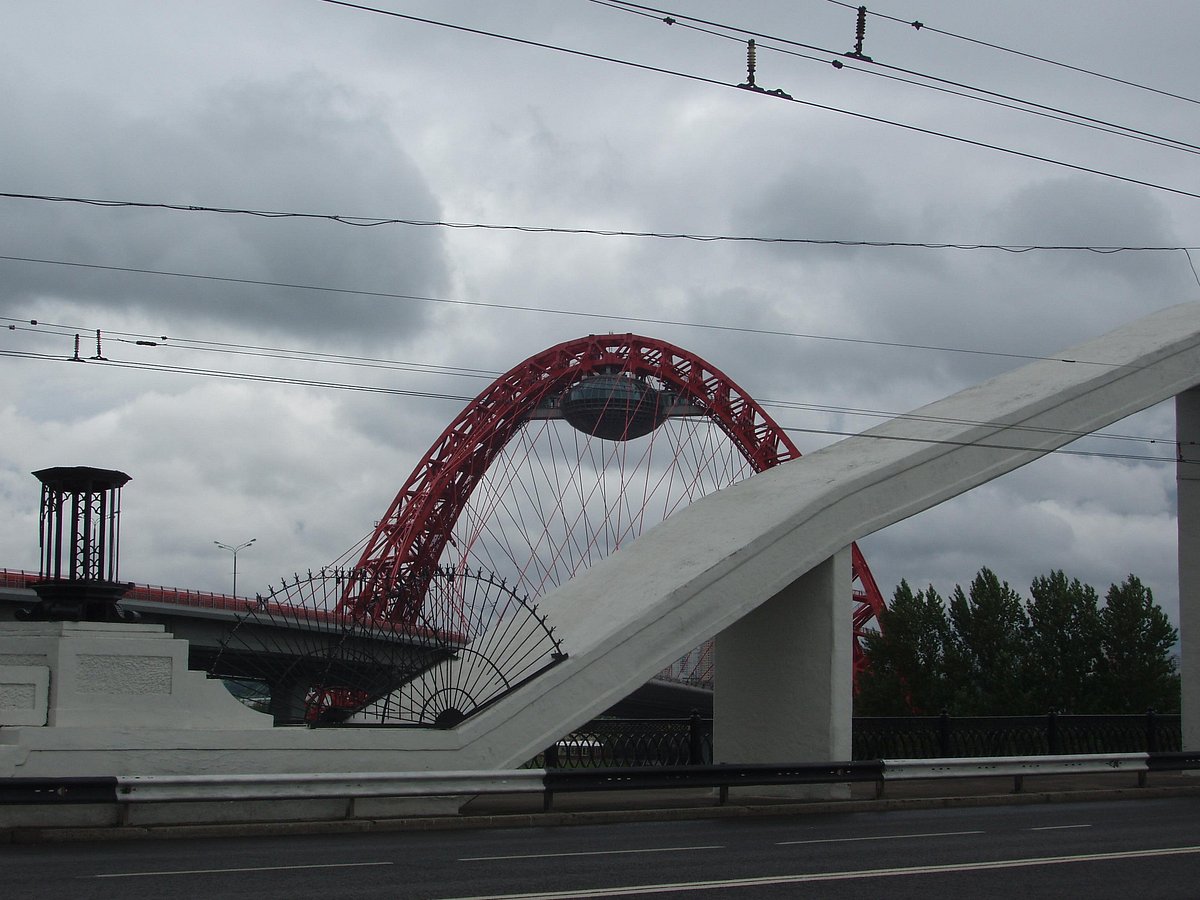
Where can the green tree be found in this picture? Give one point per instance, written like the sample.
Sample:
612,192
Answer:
987,660
1064,644
990,652
1136,670
907,674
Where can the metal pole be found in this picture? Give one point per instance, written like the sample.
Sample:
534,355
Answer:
235,550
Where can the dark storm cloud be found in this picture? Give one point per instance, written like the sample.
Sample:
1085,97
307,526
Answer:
304,144
310,107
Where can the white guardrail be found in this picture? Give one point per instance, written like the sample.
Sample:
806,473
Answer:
978,766
175,788
158,788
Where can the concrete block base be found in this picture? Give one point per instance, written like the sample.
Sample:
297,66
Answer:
91,674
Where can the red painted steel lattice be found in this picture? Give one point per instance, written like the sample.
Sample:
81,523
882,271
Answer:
511,488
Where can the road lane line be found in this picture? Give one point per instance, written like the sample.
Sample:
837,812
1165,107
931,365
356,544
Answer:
243,869
878,837
589,853
1056,827
642,889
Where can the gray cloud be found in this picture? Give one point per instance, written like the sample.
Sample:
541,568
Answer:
328,110
305,144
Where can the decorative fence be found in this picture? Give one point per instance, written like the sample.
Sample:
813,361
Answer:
927,737
607,743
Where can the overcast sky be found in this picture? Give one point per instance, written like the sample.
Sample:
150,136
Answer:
306,106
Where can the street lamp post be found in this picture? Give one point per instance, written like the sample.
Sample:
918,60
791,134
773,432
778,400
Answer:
235,550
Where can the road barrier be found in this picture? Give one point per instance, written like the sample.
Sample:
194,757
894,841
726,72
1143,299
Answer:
131,789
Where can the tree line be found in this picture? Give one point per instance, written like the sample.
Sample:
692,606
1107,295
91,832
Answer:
990,651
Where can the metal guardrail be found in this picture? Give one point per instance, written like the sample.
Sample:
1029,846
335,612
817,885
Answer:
548,782
193,599
321,785
722,777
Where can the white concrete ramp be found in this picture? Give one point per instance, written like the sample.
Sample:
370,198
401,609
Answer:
705,569
710,564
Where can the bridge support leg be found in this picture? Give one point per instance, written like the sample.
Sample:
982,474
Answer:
782,692
1187,430
288,696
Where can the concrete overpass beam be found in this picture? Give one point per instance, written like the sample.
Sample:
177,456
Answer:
782,688
1187,430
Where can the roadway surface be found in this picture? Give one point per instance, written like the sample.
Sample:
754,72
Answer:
1145,849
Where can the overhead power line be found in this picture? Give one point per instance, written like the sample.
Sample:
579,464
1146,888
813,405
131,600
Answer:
645,67
919,25
375,221
372,389
929,82
582,314
176,343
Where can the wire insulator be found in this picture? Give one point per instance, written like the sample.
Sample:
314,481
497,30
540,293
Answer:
751,52
860,35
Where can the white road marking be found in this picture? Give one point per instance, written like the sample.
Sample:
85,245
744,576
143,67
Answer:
641,889
1057,827
244,869
878,837
589,853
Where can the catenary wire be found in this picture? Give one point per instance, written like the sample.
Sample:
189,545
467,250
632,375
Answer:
66,330
272,379
812,104
923,26
373,221
583,314
930,82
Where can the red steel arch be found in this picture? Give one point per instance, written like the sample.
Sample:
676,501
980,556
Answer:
392,575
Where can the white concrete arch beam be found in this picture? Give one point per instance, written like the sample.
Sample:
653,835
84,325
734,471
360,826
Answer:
714,562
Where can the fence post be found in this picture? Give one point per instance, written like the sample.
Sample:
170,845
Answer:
1052,732
695,740
1151,732
944,734
551,756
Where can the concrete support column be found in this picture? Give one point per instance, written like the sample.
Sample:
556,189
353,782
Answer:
1187,431
782,691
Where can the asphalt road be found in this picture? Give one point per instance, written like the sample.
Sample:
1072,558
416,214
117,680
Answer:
1144,849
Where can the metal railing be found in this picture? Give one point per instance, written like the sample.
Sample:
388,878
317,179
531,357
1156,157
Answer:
919,737
150,593
125,789
609,743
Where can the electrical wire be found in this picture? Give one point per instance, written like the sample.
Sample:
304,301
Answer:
922,26
248,350
304,382
70,331
811,104
373,221
240,376
936,83
583,314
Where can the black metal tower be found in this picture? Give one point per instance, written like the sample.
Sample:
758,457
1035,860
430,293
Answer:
79,541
